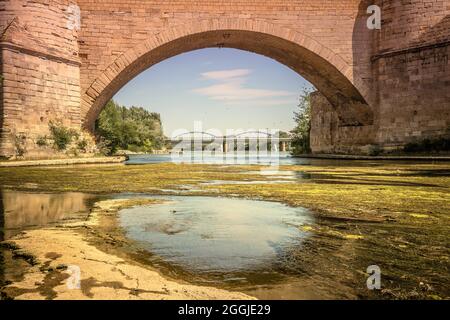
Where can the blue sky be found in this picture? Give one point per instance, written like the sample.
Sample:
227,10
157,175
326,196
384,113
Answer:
223,88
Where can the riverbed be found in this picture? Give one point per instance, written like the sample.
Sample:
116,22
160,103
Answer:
304,229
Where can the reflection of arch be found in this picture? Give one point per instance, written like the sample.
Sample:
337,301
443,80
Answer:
325,69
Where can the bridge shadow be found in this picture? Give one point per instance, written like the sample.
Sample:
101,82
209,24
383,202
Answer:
439,32
365,44
362,48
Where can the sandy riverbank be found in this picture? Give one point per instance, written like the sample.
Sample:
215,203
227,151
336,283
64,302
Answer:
103,275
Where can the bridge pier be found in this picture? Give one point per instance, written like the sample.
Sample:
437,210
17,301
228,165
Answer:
225,146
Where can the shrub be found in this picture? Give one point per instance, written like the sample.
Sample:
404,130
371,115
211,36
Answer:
20,144
103,147
61,135
42,141
428,146
375,150
82,145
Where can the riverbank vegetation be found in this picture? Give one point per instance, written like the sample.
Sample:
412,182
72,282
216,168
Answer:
133,129
429,146
65,140
302,132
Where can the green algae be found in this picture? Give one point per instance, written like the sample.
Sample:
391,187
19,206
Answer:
394,215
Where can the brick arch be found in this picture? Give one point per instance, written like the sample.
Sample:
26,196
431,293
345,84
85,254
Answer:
325,69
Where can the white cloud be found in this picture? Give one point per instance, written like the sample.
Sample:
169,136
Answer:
232,90
263,103
226,74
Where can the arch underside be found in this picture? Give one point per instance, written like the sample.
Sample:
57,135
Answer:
350,104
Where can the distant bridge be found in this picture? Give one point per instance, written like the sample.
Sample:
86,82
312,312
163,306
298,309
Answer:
252,138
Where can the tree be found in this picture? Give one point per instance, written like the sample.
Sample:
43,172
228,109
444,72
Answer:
302,132
134,129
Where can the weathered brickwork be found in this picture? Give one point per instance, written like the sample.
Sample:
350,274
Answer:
41,73
412,23
414,96
36,91
390,86
412,71
329,136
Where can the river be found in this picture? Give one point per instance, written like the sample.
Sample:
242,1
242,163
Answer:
285,232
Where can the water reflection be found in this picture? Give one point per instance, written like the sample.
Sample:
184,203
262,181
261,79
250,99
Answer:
226,239
20,210
220,158
284,159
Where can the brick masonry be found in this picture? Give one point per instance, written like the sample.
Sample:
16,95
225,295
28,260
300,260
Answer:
328,136
383,87
412,72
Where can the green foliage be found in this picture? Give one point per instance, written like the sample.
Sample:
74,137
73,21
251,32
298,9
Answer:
20,144
134,129
103,146
282,134
375,150
302,132
428,146
42,141
82,145
61,135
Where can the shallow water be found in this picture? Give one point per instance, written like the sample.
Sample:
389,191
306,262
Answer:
224,239
20,211
226,159
257,247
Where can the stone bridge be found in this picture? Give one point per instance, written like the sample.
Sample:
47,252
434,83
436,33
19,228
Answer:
64,59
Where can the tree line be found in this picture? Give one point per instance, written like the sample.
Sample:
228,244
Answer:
134,129
301,134
138,130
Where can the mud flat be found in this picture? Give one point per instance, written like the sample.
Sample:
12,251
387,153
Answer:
54,255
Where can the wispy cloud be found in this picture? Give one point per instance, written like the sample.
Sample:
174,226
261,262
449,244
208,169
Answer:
231,88
226,74
263,103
